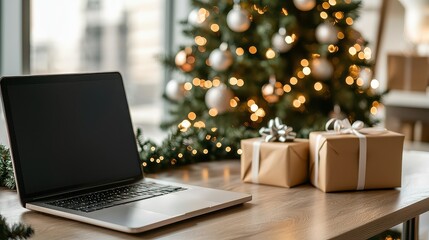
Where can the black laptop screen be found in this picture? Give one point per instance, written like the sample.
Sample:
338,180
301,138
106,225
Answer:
70,131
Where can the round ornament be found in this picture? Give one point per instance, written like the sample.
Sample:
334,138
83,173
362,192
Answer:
238,19
270,92
185,60
327,33
321,68
175,90
219,98
279,41
304,5
221,58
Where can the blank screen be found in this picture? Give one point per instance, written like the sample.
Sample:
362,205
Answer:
72,133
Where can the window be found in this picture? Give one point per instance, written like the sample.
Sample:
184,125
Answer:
104,35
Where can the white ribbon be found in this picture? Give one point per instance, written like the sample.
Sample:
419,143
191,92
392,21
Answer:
344,127
255,160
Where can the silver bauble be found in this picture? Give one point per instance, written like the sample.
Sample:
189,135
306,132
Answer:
238,19
304,5
220,60
219,98
321,68
327,33
175,90
279,43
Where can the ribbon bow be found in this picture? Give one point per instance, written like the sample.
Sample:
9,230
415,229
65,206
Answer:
343,126
277,131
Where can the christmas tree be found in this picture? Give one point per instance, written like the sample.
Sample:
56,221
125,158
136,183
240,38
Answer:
251,61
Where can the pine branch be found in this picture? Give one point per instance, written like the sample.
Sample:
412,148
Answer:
7,178
16,231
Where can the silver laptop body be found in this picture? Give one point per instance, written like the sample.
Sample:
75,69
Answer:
71,135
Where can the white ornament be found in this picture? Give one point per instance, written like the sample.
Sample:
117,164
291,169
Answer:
321,68
327,33
279,41
238,19
221,58
219,98
175,90
304,5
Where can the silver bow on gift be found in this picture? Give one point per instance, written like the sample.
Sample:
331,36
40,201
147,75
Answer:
277,131
343,126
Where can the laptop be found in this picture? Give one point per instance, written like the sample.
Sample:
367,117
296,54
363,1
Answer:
75,156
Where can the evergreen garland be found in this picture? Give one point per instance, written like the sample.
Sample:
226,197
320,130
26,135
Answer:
16,231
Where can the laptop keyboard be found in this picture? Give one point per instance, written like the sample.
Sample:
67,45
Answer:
116,196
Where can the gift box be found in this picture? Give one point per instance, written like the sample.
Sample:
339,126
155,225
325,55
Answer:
355,161
407,72
283,164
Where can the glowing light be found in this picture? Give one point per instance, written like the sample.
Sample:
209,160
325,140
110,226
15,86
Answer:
196,81
239,151
306,71
216,82
152,159
368,53
219,144
260,112
304,63
228,149
287,88
332,48
250,102
194,151
205,151
361,55
284,11
323,15
254,117
301,99
326,5
270,54
296,103
158,161
340,35
349,80
359,82
374,110
208,137
293,80
213,130
349,21
339,15
233,81
180,155
375,83
144,164
208,84
152,149
200,41
254,107
253,50
192,116
290,39
187,86
358,47
318,86
239,51
333,2
184,125
233,103
214,27
300,74
213,112
240,82
352,51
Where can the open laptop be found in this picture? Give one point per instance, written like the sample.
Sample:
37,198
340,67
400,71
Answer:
75,156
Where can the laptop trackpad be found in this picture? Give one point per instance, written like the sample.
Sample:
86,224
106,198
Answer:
175,204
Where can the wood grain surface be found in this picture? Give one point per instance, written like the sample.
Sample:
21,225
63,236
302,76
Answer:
302,212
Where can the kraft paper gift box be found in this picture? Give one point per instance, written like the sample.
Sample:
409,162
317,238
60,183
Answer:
283,164
407,72
338,157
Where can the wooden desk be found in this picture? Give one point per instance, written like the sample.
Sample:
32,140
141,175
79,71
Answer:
274,213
